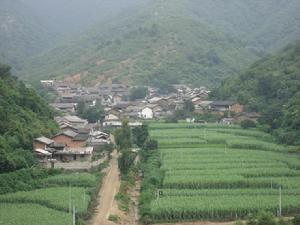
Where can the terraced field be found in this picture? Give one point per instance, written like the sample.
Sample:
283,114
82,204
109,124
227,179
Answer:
215,172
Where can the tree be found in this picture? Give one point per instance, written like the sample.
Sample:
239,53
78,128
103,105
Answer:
138,93
188,106
91,113
123,136
140,135
125,161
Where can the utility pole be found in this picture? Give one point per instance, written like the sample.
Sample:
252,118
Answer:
280,208
70,204
74,215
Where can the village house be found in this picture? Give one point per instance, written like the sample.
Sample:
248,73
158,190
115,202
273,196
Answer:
42,155
75,121
254,116
73,154
64,126
64,107
47,83
68,98
65,137
147,113
42,143
223,106
98,139
71,138
202,107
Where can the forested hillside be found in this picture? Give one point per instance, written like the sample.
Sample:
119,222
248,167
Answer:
23,116
164,42
272,87
22,33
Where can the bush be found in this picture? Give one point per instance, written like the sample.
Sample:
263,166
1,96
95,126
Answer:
150,144
171,119
248,124
296,220
114,218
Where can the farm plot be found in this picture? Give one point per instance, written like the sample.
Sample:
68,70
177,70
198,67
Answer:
52,203
219,173
32,214
56,198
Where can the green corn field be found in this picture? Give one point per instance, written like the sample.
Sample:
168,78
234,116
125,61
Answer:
214,172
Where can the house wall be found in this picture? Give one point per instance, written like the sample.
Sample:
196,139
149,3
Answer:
237,108
77,144
37,144
63,139
72,158
147,113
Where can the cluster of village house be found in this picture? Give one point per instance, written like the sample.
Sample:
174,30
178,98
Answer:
155,106
78,139
75,142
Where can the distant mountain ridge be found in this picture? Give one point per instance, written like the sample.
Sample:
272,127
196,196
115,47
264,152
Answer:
22,33
180,41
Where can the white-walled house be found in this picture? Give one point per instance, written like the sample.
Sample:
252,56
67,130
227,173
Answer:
147,113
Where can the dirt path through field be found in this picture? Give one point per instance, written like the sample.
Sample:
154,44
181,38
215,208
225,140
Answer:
110,187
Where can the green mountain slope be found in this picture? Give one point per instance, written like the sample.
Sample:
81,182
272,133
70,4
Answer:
188,41
267,25
22,34
23,116
162,43
272,87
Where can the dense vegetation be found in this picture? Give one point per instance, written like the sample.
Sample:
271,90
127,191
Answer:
271,87
218,172
23,116
167,42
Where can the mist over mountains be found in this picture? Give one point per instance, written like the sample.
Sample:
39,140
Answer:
157,42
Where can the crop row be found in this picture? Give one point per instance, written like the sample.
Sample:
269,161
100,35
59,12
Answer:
245,172
219,207
32,214
56,198
223,192
78,180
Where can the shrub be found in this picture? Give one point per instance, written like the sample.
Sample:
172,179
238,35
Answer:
248,124
114,218
296,220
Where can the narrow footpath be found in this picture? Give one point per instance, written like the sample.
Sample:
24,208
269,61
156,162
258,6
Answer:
106,196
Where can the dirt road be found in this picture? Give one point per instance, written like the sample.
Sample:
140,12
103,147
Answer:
110,187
